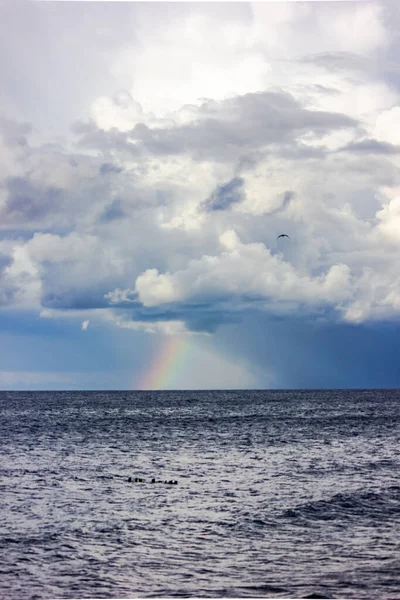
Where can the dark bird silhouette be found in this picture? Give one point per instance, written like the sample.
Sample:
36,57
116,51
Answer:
283,235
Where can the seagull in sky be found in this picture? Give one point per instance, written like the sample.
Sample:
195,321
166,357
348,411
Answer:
283,235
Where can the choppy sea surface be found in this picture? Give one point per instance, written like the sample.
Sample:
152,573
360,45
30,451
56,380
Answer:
280,494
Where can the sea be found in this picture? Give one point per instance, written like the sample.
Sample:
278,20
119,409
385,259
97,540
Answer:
279,494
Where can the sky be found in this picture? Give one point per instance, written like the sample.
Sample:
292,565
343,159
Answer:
150,156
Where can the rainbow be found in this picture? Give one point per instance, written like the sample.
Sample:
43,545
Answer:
165,366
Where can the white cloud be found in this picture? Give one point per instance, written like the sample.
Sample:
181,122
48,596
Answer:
54,248
217,52
154,288
248,269
23,276
161,327
387,126
389,217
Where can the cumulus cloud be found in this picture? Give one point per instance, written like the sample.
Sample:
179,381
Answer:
248,270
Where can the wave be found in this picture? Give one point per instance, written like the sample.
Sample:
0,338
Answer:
363,504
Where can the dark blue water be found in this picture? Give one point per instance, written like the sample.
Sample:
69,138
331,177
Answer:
280,494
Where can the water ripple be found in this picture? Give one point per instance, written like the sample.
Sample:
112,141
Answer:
279,494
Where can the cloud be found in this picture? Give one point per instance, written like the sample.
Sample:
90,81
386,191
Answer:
219,51
27,203
226,195
371,146
242,270
164,327
55,248
20,282
15,134
338,61
106,168
386,128
162,206
304,352
222,130
7,289
112,211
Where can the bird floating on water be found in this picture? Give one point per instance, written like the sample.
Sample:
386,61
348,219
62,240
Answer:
283,235
139,480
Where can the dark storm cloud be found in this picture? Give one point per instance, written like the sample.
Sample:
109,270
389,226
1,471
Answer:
107,168
206,317
199,316
226,195
242,123
34,198
74,299
223,130
112,212
26,202
307,353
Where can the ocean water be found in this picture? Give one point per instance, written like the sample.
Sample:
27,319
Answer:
280,494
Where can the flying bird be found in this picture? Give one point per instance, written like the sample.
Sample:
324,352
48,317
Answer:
283,235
